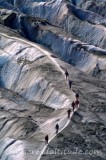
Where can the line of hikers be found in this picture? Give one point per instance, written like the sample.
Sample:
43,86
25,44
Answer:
75,105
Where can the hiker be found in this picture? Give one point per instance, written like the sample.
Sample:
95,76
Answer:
70,83
77,96
73,105
69,112
77,103
67,74
57,128
46,139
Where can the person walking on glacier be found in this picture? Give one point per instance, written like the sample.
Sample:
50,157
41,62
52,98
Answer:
73,105
66,74
69,112
77,96
70,83
57,128
46,139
